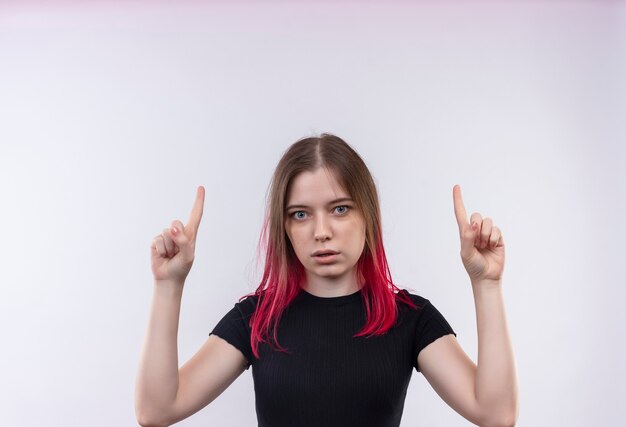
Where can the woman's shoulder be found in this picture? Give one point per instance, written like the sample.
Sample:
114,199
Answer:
416,298
247,303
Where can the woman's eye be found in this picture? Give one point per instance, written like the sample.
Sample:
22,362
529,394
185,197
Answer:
296,213
346,208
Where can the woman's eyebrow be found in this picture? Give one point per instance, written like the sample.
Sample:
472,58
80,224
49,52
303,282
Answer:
332,202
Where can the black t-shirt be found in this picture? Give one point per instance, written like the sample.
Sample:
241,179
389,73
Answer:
330,378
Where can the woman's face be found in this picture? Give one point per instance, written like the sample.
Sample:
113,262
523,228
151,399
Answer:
320,215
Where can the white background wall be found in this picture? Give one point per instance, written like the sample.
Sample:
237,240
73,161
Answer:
112,113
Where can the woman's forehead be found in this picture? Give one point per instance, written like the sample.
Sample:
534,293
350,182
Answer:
317,187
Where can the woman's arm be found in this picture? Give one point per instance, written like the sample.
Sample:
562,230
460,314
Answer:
166,394
496,378
487,394
157,378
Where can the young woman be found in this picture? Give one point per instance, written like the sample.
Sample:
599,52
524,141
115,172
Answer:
331,340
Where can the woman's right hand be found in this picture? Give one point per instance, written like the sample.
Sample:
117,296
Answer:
172,252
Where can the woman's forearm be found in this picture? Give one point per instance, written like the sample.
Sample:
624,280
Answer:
157,378
496,377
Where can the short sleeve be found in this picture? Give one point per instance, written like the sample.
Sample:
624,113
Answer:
430,326
234,328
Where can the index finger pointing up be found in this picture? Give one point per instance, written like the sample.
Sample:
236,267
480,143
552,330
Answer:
459,208
196,212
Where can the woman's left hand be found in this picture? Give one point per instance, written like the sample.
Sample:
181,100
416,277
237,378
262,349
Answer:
482,244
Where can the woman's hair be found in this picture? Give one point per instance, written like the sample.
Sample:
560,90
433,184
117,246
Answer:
283,273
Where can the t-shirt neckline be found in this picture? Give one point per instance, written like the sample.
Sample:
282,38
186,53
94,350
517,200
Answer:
306,296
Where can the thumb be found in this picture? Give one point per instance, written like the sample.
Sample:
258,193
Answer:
177,232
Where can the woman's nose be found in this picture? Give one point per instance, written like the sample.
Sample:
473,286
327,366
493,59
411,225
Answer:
322,230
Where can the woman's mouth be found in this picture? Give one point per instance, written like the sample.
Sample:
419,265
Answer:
325,258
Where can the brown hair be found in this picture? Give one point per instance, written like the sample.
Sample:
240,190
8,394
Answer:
283,272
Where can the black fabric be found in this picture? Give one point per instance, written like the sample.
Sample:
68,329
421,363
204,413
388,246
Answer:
331,378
